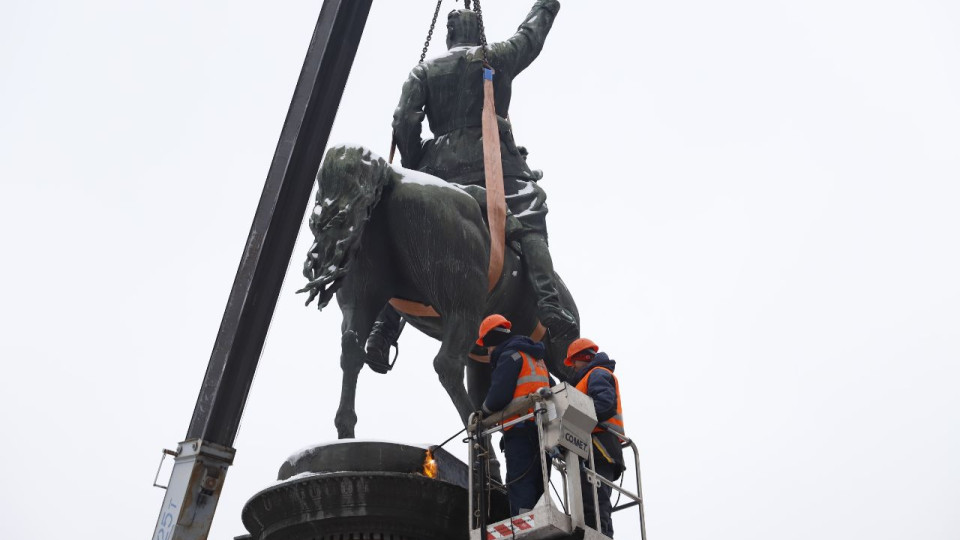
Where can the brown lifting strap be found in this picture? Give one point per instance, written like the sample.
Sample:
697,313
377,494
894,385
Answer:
493,176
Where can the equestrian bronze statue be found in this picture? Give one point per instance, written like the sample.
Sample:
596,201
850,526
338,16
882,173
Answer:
410,243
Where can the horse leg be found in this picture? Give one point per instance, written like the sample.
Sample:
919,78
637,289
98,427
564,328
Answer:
478,385
357,321
459,332
557,345
478,382
351,362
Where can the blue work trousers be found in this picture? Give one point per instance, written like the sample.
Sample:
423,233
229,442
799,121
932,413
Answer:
611,472
524,467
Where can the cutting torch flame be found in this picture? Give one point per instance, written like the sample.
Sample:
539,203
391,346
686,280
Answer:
429,465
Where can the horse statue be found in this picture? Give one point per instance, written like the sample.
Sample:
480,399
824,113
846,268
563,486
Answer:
388,234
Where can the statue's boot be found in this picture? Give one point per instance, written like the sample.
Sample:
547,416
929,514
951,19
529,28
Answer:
536,255
384,334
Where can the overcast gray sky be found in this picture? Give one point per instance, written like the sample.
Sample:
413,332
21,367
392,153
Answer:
755,204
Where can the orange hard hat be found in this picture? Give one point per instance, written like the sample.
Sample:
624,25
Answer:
578,346
490,323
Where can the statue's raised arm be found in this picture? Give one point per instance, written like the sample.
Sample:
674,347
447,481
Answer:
519,51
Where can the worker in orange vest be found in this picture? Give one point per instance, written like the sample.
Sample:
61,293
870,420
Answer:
517,370
594,377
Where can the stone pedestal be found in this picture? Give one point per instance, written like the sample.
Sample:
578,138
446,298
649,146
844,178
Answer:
362,490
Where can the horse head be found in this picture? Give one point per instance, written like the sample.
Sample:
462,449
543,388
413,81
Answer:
350,183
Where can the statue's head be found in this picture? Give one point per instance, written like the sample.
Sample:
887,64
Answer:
463,28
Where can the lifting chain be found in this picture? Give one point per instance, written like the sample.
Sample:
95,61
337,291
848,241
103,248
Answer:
483,33
433,24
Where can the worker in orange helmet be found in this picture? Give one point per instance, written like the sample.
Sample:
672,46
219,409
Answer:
517,370
594,377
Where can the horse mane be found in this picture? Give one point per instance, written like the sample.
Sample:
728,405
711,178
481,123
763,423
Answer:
350,182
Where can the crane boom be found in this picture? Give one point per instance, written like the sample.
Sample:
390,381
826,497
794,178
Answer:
203,458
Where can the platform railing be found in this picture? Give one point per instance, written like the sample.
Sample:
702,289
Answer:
480,429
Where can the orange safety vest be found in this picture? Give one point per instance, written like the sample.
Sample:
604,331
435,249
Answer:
615,422
533,376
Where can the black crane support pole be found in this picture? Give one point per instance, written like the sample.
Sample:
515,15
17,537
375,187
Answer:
203,458
283,203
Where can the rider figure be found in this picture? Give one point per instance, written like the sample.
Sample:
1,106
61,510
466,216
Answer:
448,91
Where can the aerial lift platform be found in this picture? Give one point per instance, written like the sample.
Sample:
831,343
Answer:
565,418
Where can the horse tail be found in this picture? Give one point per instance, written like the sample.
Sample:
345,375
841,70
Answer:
350,182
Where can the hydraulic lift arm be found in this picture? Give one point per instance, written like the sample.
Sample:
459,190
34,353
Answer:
203,458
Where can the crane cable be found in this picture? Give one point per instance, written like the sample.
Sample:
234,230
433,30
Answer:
423,56
433,24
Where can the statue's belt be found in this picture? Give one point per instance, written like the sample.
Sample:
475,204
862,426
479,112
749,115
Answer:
445,130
